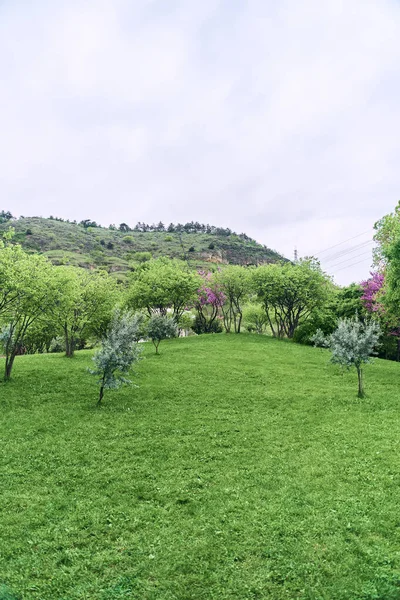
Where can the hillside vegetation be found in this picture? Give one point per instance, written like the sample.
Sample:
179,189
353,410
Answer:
242,468
70,243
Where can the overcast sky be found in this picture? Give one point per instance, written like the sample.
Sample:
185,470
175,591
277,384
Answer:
279,119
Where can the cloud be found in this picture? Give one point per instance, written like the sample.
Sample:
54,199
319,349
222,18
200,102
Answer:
279,119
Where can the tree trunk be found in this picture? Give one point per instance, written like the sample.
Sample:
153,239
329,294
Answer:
9,365
239,322
69,347
360,383
101,395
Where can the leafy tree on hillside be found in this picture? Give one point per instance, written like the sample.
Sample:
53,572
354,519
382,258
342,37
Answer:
234,282
160,328
162,284
6,216
289,293
86,304
118,352
28,292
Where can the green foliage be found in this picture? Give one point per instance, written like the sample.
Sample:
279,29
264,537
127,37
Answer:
86,305
163,284
142,257
6,216
255,318
160,327
128,239
27,292
200,326
58,238
290,293
119,351
234,282
241,469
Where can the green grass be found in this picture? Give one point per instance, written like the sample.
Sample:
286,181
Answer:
242,468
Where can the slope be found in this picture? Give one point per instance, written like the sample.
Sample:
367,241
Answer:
241,468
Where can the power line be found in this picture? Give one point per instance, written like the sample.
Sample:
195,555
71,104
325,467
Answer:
348,259
344,242
348,266
347,251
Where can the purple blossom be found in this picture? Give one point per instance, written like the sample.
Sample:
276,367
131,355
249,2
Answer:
371,290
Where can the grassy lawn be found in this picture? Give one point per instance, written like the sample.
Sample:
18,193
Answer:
242,468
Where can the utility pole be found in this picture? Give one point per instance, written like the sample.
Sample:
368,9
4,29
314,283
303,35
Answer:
296,256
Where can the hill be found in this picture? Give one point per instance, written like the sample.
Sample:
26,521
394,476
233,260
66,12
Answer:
87,246
241,468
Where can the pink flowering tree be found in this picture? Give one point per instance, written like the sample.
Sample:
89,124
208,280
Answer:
372,293
209,302
373,299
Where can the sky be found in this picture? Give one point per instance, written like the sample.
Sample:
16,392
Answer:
277,119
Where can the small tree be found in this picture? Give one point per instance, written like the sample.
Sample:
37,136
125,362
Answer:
352,345
119,351
255,318
160,328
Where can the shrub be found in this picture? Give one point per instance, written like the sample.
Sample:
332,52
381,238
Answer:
128,239
160,328
352,345
110,246
199,326
211,246
191,249
168,238
142,256
255,319
28,232
119,351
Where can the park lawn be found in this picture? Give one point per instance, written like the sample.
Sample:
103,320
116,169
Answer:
242,468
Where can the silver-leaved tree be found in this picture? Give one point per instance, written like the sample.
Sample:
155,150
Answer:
118,353
352,345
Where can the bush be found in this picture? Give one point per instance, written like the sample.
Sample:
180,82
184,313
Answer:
191,249
168,238
160,328
211,246
128,239
119,351
110,246
28,232
142,256
255,319
199,326
57,344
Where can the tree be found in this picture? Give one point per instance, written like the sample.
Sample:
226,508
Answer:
255,318
124,228
160,328
6,216
234,282
118,352
209,303
162,284
352,345
86,305
29,290
289,293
